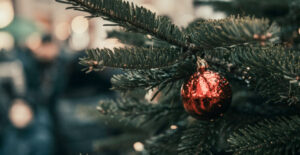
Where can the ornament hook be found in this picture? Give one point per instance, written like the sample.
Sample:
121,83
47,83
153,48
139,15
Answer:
201,64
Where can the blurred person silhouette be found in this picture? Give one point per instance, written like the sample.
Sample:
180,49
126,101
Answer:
52,73
44,71
44,68
28,131
24,130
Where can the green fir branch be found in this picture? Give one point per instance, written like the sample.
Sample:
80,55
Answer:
129,38
231,31
137,39
277,136
132,17
154,77
130,58
141,113
205,34
198,138
271,71
165,143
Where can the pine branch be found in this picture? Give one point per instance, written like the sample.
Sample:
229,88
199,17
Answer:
272,71
165,143
207,34
231,31
120,142
141,113
131,17
199,138
278,136
284,12
154,77
129,38
137,39
130,58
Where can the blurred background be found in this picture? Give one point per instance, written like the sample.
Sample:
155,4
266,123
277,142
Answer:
47,104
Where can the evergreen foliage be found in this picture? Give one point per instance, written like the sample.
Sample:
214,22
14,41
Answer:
198,139
267,137
262,53
131,58
153,77
271,71
165,143
132,17
210,34
144,115
137,39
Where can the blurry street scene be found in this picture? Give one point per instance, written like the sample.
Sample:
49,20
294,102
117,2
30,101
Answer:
47,104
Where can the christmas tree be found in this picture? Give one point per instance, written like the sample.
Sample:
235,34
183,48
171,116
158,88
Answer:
228,86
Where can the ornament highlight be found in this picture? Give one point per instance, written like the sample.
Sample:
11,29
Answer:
206,95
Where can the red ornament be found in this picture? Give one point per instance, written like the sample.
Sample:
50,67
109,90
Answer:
206,95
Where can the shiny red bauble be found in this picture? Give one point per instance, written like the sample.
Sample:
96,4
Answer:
206,95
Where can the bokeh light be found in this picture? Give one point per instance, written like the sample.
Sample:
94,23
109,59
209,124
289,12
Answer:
6,13
138,146
79,24
79,41
33,41
6,41
20,114
62,31
173,127
207,12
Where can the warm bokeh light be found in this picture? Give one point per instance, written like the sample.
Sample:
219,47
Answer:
109,43
138,146
173,127
6,13
79,24
79,41
62,31
33,41
149,95
20,114
47,52
149,36
6,41
207,12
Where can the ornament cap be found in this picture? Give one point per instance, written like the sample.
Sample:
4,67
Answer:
201,64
